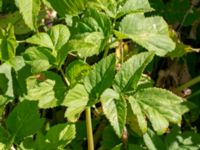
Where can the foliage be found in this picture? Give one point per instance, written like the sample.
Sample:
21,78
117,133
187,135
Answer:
59,59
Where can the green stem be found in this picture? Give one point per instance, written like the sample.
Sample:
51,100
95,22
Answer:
23,41
107,48
189,83
106,51
89,129
65,78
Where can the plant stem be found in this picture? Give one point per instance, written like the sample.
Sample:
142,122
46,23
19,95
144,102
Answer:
108,47
106,51
89,129
23,41
65,78
189,83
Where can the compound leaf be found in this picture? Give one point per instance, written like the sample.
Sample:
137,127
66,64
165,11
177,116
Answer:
160,107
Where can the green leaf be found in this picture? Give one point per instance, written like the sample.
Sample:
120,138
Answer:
131,71
134,146
76,71
171,140
56,138
41,39
60,135
135,118
108,6
21,28
153,142
180,49
24,120
8,43
56,40
29,10
20,74
87,44
160,106
150,32
93,21
6,87
62,55
3,83
39,58
114,108
40,142
40,65
187,140
15,19
101,77
118,147
3,146
145,81
17,63
71,7
47,88
5,139
27,144
76,101
6,81
3,102
10,18
134,6
109,138
59,35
